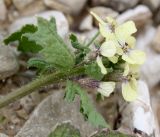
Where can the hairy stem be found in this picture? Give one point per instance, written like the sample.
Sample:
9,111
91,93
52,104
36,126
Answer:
39,83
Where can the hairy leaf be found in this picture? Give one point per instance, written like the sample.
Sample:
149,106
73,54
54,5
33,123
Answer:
24,44
86,108
55,51
93,71
65,130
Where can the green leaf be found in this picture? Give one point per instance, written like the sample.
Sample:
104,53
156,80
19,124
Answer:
65,130
93,71
75,43
24,44
55,51
109,133
86,108
40,64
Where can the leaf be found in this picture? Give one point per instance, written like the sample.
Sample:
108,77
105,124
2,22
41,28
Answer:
55,51
109,133
65,130
94,71
40,64
75,43
86,108
81,51
24,44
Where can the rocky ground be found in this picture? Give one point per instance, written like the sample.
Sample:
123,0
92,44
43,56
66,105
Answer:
73,16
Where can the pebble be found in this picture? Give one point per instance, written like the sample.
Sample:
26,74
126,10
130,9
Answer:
141,15
52,111
73,7
9,64
3,11
61,21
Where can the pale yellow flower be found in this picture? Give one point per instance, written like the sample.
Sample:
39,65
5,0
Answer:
111,30
106,88
100,64
129,89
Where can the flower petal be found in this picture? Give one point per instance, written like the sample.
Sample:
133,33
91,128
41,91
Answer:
129,90
97,18
113,59
125,30
108,49
126,70
106,88
100,64
138,56
131,41
134,57
111,21
106,32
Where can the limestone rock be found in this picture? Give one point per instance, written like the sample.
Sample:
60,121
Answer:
118,5
70,6
156,42
103,12
152,4
140,15
3,11
61,21
139,114
3,135
52,111
151,68
9,64
87,23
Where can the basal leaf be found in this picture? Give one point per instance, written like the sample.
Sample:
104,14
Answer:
55,51
24,44
87,109
65,130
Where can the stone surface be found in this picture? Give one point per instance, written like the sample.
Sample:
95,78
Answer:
138,114
152,4
140,15
156,42
52,111
3,11
118,5
3,135
70,6
87,23
151,68
61,21
103,12
9,64
21,4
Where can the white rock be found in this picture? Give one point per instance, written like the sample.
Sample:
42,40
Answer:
3,11
140,15
52,111
156,42
9,64
138,114
151,68
21,4
87,23
103,12
153,4
61,22
70,6
118,5
3,135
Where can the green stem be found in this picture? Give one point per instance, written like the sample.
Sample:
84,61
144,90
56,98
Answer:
93,39
38,83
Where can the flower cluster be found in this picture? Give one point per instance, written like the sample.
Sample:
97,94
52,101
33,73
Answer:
119,44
